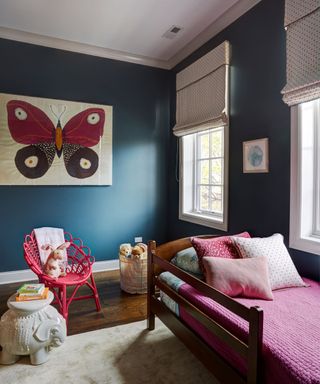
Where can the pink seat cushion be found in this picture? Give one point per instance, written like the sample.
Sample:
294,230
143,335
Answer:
222,246
239,277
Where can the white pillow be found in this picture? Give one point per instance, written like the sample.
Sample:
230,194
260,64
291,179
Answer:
282,272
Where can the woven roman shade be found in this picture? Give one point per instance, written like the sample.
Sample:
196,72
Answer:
302,22
202,92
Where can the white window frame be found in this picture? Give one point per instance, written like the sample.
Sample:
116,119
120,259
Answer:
206,219
300,238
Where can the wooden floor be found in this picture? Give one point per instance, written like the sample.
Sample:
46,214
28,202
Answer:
118,307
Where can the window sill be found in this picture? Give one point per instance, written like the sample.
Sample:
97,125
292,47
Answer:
206,221
310,245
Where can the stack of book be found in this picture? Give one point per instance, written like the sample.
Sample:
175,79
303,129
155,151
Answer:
32,292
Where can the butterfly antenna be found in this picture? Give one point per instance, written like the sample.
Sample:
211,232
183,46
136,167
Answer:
64,109
56,116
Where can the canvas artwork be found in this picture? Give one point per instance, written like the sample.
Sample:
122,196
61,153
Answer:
54,142
255,156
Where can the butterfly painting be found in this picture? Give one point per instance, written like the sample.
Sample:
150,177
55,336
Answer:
55,133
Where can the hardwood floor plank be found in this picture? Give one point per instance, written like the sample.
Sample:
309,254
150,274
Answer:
118,307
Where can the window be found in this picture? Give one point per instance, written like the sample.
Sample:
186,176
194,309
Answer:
202,91
302,93
203,178
305,177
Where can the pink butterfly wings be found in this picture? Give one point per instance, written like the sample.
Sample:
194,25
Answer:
85,128
31,126
28,124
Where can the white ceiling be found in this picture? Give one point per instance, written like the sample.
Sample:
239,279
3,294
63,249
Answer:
132,27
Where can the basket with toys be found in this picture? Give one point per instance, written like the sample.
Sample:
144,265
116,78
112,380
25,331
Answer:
133,268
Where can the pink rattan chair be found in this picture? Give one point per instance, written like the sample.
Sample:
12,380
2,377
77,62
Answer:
78,272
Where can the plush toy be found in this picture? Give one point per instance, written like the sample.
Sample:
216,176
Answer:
139,251
125,250
54,265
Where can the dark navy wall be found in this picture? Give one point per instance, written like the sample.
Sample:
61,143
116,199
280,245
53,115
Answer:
258,203
143,199
135,204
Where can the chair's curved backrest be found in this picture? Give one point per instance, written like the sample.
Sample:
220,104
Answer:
78,271
79,255
31,253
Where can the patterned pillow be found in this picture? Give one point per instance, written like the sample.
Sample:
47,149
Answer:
216,247
187,260
282,272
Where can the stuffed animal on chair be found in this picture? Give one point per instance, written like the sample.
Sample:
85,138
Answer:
54,267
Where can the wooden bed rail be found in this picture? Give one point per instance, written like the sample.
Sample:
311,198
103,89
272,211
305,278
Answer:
204,288
222,370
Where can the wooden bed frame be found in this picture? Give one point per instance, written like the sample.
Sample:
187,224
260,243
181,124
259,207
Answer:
158,261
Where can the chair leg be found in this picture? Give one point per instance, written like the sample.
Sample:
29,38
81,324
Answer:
64,303
96,296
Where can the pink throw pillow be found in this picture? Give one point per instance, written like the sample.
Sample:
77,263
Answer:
239,277
222,246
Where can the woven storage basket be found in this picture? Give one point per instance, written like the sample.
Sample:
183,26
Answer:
133,274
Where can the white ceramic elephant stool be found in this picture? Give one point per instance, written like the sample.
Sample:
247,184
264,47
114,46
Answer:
30,328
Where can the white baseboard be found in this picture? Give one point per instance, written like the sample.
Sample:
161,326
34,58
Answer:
106,265
27,274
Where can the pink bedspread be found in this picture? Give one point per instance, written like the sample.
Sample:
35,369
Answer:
291,336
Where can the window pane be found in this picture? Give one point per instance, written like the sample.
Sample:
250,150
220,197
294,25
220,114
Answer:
307,167
204,172
316,217
204,146
216,199
305,185
216,144
216,171
203,178
204,198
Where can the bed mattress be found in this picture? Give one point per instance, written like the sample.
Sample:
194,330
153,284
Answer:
291,336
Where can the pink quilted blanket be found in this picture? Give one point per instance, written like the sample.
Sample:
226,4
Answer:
291,338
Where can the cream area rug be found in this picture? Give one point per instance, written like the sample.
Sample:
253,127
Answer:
126,354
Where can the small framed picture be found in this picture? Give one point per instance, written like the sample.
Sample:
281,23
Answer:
255,156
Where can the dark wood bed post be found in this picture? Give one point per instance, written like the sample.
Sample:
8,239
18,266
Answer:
151,290
255,345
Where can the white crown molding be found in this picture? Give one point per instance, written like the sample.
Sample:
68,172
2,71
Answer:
228,17
72,46
27,274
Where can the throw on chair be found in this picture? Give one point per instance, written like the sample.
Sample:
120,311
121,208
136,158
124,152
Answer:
77,271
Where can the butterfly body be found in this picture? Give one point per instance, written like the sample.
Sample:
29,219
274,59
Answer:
58,139
29,125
